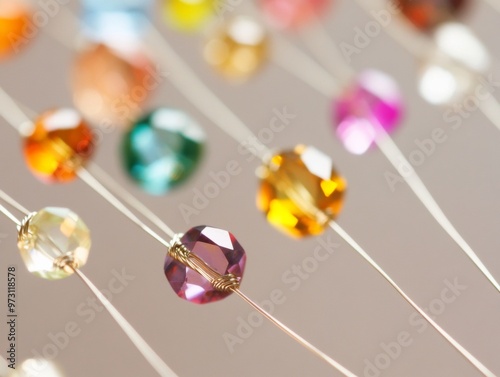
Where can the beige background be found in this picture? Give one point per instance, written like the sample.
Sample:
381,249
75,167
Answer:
343,307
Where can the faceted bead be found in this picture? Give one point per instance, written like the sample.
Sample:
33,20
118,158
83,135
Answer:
238,50
106,20
427,14
189,15
54,237
162,150
110,86
300,192
218,249
290,14
58,145
371,104
14,20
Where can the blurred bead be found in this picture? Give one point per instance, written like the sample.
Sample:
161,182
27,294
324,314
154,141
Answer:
38,368
300,192
239,50
162,150
107,20
58,145
52,239
427,14
189,15
109,87
458,41
14,22
216,247
372,101
444,83
289,14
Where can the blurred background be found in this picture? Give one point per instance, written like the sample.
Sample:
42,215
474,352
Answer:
340,304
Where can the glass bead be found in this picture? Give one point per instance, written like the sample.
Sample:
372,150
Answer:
189,15
239,49
58,145
36,367
52,239
371,104
162,150
300,191
216,247
110,86
115,20
14,22
427,14
291,14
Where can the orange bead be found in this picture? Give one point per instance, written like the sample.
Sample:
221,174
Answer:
59,144
110,87
14,20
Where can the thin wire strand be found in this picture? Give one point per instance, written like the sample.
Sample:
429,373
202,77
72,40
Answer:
128,198
9,215
295,336
10,201
347,238
98,187
187,82
144,348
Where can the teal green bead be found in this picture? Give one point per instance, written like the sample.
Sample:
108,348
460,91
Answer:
162,150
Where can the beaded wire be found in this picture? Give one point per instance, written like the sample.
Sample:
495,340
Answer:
144,348
111,191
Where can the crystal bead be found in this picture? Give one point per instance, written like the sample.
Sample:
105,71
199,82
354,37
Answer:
290,14
239,49
189,15
427,14
51,240
371,105
14,21
58,145
162,149
109,87
218,249
300,192
106,20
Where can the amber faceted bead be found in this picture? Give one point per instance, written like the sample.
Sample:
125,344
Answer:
239,49
300,191
14,21
59,144
110,86
427,14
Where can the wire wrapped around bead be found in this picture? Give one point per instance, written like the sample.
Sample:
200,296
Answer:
222,283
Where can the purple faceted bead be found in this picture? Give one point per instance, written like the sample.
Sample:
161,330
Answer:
372,103
217,248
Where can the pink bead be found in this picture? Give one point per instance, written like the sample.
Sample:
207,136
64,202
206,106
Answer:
217,248
373,102
289,14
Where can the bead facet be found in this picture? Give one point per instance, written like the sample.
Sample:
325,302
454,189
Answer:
162,150
52,240
427,14
189,15
219,249
110,86
14,20
300,192
58,145
373,104
239,50
290,14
